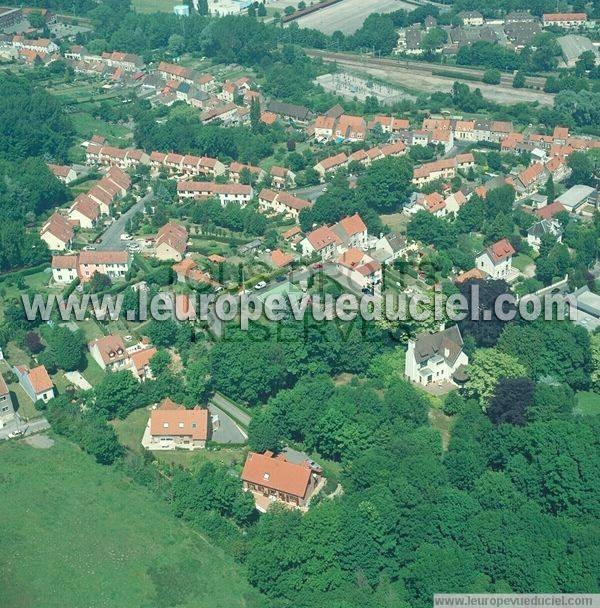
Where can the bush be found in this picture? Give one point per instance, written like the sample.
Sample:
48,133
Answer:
454,404
492,76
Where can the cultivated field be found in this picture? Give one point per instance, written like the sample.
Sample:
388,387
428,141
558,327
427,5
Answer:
78,534
348,16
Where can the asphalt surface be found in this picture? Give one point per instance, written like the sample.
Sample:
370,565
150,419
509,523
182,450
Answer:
231,408
312,193
229,431
111,239
28,428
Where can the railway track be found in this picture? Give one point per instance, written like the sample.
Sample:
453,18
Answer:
418,66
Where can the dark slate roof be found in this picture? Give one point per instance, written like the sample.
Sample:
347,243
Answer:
428,345
291,110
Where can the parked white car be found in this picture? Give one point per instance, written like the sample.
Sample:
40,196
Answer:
126,237
260,285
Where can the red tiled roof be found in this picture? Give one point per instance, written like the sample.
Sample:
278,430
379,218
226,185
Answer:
40,380
501,250
170,419
549,211
277,473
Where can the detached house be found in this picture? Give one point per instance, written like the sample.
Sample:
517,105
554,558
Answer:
64,173
541,229
496,260
85,211
172,426
35,382
57,233
273,478
360,268
171,242
281,178
110,353
437,357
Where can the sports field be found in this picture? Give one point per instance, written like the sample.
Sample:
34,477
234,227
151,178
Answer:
154,6
75,534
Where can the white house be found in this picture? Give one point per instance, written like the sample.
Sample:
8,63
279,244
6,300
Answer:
541,228
496,260
172,426
437,357
64,269
35,382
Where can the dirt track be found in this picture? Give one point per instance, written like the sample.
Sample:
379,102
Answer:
419,76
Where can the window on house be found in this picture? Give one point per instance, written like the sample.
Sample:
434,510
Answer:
165,425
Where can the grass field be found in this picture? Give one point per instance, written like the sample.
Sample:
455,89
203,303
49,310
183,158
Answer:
522,261
87,125
79,534
154,6
588,404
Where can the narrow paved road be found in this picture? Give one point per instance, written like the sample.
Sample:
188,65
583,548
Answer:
231,408
111,239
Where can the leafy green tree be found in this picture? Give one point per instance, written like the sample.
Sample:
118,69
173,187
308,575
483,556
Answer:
492,76
519,80
65,348
485,370
162,333
115,395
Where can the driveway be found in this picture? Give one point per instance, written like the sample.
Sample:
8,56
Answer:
111,239
229,431
28,428
230,408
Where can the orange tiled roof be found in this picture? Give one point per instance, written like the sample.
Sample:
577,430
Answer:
277,473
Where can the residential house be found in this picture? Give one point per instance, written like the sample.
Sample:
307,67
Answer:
172,426
273,478
124,158
171,242
389,248
564,20
85,211
280,259
65,269
496,260
227,113
113,264
64,173
350,128
360,268
187,271
170,71
36,382
236,169
330,241
282,178
331,164
7,410
550,211
471,18
323,128
290,111
110,353
140,362
128,62
530,179
240,194
57,233
436,357
389,124
541,229
281,202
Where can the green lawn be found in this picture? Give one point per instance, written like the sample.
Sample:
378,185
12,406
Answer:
154,6
80,534
588,404
521,261
87,125
93,373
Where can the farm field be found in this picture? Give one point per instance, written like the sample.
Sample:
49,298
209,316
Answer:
84,535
